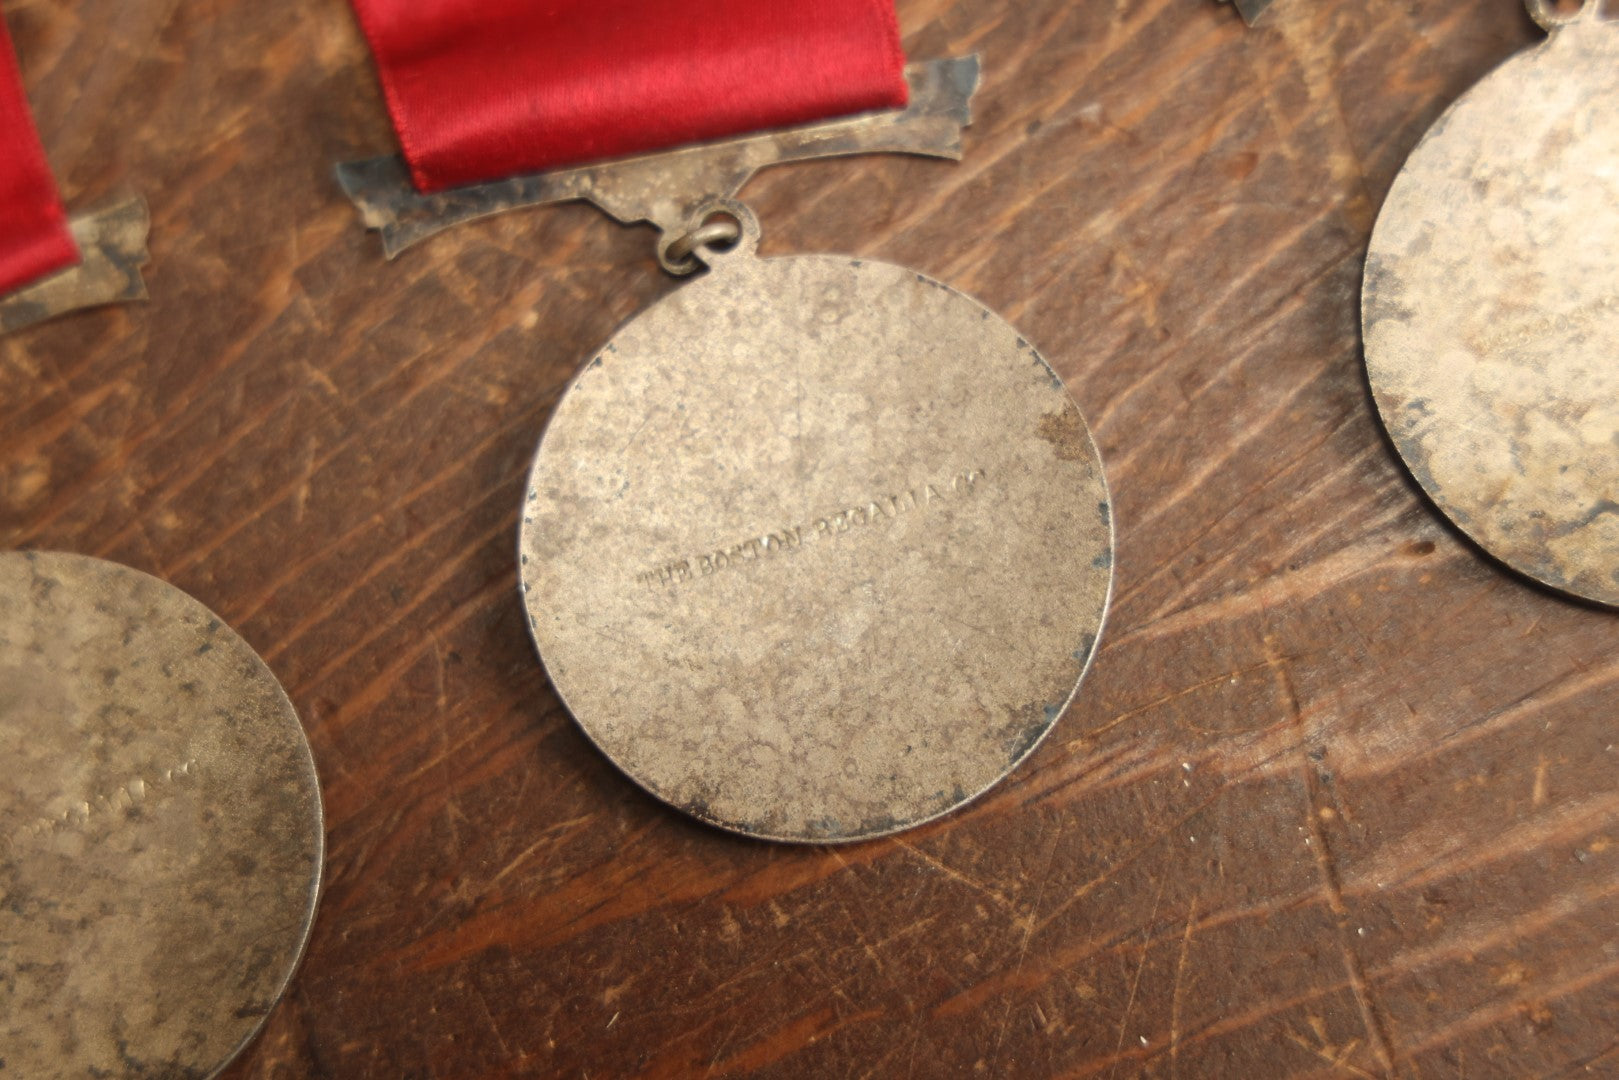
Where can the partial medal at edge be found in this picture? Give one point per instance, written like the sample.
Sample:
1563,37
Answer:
161,832
1491,309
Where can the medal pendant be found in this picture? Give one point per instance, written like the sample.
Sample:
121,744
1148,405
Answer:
1491,309
160,828
816,548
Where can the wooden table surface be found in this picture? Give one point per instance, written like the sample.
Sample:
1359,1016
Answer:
1337,799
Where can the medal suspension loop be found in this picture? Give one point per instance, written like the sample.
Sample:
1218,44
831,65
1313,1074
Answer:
1552,15
717,230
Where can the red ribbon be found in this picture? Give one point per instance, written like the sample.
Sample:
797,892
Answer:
485,89
34,240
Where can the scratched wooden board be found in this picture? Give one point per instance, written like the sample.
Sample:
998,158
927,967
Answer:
1337,799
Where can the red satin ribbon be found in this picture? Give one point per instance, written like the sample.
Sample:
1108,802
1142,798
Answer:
485,89
34,240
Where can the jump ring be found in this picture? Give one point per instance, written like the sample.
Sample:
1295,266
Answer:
1545,13
713,233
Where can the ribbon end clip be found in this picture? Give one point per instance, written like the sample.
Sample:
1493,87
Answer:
112,246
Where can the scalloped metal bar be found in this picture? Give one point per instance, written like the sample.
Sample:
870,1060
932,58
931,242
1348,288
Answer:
665,188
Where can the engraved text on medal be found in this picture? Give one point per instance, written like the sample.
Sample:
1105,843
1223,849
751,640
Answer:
830,527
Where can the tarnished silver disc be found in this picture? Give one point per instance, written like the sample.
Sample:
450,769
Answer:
160,828
1491,311
817,548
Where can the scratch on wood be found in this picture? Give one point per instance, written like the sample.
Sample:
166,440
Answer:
1336,1056
1135,983
951,872
1030,924
1176,993
1332,885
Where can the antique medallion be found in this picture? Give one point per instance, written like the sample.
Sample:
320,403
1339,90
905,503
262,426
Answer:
160,827
817,548
1491,309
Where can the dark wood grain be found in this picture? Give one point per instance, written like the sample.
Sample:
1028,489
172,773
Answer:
1337,800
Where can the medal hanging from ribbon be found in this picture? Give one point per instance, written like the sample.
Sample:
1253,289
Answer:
816,548
42,272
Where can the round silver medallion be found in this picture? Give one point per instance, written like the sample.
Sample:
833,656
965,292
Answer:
160,822
817,548
1492,310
